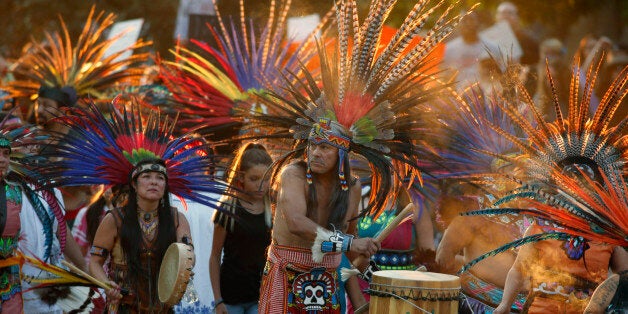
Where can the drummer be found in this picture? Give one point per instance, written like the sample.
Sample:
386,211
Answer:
147,163
137,236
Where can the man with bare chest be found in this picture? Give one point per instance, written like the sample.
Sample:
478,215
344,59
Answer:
313,200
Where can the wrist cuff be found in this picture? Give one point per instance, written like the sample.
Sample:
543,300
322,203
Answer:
337,242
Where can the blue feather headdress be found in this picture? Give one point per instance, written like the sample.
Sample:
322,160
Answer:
102,150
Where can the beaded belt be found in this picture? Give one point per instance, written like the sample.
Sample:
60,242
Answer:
394,260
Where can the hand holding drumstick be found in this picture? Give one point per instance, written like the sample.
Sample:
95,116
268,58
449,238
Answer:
345,273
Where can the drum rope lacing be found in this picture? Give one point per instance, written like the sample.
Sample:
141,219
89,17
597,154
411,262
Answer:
446,294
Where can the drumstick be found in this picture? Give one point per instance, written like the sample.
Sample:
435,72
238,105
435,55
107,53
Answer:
87,276
346,273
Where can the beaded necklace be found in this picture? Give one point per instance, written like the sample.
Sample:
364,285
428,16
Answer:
148,223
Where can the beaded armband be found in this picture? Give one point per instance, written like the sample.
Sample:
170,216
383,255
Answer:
338,242
99,251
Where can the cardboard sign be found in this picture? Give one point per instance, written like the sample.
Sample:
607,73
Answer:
127,33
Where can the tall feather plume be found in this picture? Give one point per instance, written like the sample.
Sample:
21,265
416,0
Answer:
609,103
84,65
378,127
574,91
579,135
478,134
411,62
211,85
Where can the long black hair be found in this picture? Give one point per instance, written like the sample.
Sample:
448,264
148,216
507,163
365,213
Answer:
131,238
94,216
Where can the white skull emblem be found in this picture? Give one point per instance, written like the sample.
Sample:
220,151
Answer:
314,296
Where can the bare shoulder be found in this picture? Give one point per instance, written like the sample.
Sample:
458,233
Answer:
180,215
108,222
107,230
356,188
292,171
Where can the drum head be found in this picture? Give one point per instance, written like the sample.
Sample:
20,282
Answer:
415,275
169,272
416,278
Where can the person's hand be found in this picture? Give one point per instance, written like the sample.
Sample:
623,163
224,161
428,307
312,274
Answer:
221,309
365,246
113,293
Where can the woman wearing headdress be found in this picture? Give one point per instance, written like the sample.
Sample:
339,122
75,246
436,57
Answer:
243,236
140,154
137,235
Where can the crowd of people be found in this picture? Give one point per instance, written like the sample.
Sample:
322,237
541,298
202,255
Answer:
278,165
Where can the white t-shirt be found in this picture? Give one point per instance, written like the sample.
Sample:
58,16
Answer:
32,242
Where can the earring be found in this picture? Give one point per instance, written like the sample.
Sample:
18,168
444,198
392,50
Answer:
308,175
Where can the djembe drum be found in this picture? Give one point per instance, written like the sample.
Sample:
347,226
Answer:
405,291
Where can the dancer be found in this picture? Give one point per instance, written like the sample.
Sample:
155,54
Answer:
580,244
139,154
365,103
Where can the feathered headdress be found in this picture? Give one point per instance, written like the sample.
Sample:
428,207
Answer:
579,138
59,67
472,150
582,144
21,139
570,209
366,100
208,82
101,150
